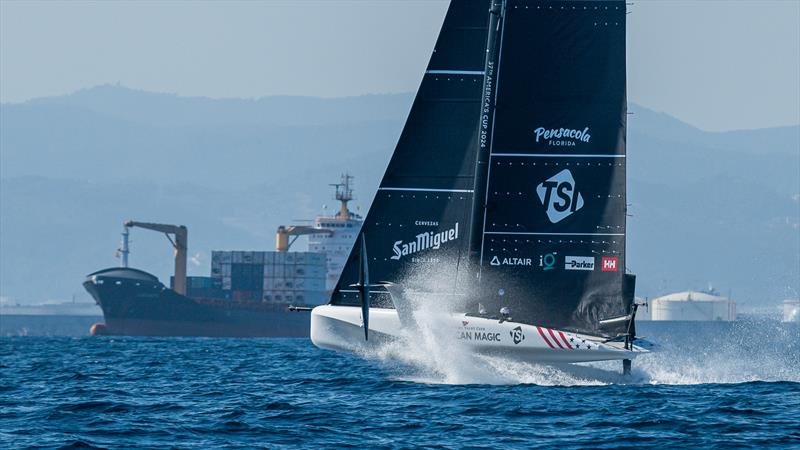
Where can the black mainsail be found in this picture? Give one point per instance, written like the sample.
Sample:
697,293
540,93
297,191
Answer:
513,158
422,209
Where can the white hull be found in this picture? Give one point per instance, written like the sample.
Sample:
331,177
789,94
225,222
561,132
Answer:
340,328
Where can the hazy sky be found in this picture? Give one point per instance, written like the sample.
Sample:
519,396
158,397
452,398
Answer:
719,65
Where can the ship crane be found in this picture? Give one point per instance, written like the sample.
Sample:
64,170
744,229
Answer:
180,244
285,236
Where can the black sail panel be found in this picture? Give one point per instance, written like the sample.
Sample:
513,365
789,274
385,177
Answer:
420,214
554,226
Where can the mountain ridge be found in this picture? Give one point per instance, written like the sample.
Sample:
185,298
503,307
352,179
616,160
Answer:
74,167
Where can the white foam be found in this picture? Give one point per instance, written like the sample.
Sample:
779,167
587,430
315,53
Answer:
695,354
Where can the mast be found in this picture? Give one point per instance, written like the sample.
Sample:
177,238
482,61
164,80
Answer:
485,129
124,250
344,193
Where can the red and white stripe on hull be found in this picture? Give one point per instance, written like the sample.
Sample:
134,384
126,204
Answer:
339,328
564,340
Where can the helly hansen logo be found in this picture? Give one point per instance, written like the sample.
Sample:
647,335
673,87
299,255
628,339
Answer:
560,196
609,264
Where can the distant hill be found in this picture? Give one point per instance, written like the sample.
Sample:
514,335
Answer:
705,207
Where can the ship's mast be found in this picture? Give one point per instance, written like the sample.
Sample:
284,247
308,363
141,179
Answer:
344,193
124,249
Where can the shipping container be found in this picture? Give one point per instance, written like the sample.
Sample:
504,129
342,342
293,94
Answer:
222,256
247,276
258,257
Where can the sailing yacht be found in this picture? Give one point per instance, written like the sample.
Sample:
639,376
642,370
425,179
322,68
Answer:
507,186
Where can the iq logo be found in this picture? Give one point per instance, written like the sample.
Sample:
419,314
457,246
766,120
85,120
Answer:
548,261
609,264
559,196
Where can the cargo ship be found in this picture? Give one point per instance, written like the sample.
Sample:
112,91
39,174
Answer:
248,293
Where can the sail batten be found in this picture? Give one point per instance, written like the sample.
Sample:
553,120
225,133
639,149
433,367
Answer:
557,155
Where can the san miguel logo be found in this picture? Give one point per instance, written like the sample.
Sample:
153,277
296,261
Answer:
424,241
560,196
562,137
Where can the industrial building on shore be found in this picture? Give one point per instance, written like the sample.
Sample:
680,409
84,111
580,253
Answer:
692,306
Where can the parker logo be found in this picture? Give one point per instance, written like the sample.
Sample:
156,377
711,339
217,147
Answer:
496,261
548,261
517,335
579,263
609,264
562,137
566,199
424,241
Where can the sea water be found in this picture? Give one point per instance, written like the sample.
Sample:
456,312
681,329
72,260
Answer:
708,385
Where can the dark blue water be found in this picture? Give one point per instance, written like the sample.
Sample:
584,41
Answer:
719,385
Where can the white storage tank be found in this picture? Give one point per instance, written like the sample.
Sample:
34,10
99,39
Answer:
791,310
693,306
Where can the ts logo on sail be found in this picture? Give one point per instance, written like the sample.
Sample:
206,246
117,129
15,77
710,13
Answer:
560,196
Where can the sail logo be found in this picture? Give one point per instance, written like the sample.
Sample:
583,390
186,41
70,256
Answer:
496,261
548,261
579,263
424,241
609,264
560,196
562,137
517,335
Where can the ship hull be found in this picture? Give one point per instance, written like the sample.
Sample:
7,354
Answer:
340,328
135,303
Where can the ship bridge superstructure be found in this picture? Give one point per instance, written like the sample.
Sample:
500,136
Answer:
341,230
